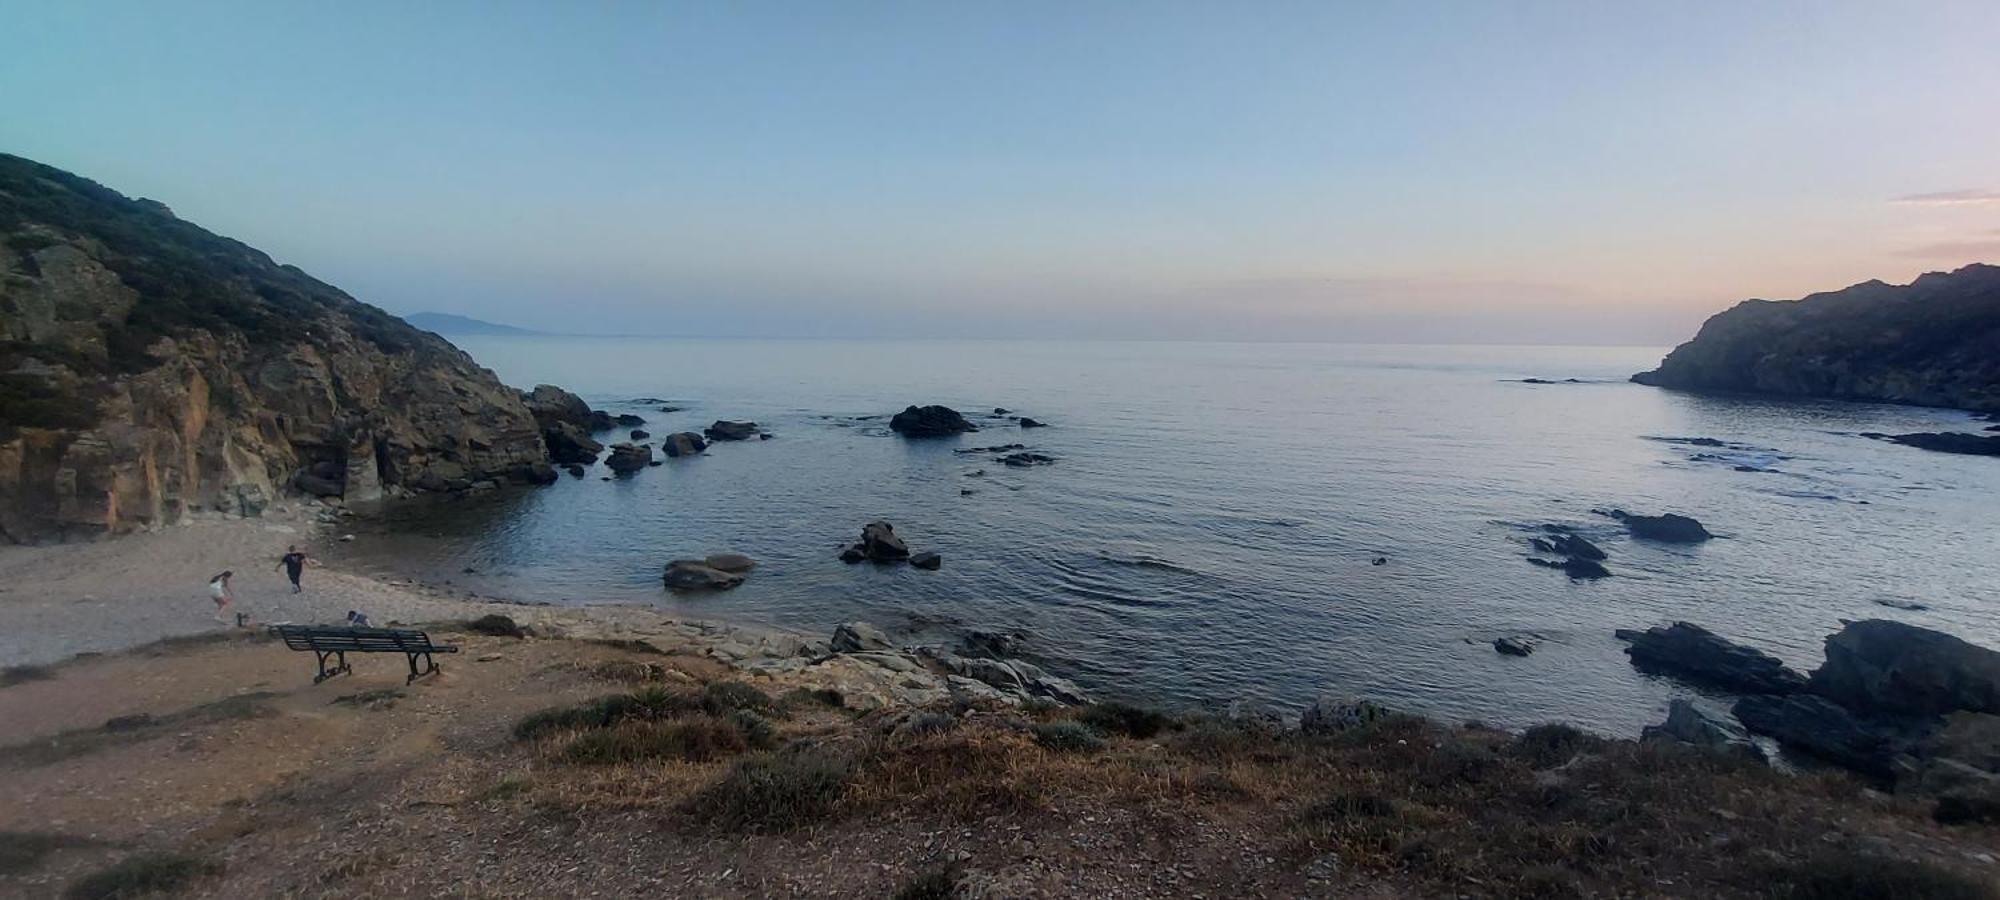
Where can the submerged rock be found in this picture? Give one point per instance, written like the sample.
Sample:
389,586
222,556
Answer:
1031,423
1575,566
1025,459
1566,544
1892,667
1945,442
1670,528
930,421
1514,646
730,562
1693,652
698,575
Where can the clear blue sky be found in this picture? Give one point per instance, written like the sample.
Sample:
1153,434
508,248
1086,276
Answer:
1491,170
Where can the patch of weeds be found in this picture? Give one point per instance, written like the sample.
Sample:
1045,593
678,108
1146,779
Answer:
1213,738
504,789
694,739
142,874
604,712
758,731
925,724
379,698
722,697
13,675
776,791
356,864
1834,875
827,697
936,883
1068,737
1548,746
629,671
1348,805
1458,762
1125,719
22,851
629,645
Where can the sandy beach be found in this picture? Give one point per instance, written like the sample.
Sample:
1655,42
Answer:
59,600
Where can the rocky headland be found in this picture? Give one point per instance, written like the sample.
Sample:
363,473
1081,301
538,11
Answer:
151,371
1932,342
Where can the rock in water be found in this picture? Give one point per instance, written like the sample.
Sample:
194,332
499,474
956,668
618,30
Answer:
682,443
1948,442
697,575
1669,528
1031,423
927,560
639,434
930,421
1575,566
1693,652
1833,344
570,445
1699,724
628,457
725,430
1825,729
627,420
1892,667
880,543
1567,544
155,369
1514,646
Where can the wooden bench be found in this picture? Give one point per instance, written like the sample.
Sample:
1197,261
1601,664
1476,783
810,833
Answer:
334,643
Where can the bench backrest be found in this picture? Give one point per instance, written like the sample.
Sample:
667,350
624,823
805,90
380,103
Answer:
379,640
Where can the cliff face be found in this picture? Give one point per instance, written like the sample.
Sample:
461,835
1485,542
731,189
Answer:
150,369
1933,342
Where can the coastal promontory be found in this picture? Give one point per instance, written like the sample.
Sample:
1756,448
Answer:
1932,342
150,369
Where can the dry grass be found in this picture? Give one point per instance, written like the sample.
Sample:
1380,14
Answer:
22,851
132,729
781,791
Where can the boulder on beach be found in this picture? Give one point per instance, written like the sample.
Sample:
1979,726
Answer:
927,560
1892,667
725,430
1689,651
1701,725
1669,528
859,637
629,457
698,575
930,421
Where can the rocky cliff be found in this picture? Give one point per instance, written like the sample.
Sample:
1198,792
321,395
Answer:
1932,342
150,369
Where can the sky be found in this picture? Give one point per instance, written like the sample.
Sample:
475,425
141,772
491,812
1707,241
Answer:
1509,172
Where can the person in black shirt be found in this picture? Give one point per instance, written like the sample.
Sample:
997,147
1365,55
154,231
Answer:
295,565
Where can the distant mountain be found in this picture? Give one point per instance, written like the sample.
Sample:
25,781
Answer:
446,323
1932,342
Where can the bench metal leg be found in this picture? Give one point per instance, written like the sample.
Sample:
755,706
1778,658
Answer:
339,666
430,666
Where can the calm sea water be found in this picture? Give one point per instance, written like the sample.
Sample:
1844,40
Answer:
1208,531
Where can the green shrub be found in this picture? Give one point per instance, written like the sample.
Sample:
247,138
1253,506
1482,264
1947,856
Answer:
1068,737
1125,719
1835,875
694,739
775,791
604,712
142,874
936,883
1548,746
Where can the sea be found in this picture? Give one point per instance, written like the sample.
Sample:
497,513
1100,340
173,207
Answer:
1241,523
